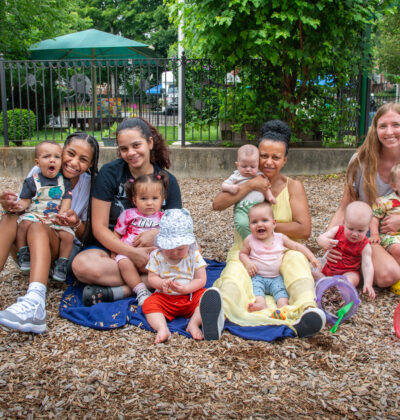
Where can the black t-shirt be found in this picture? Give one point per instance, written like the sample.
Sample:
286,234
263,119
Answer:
109,186
29,187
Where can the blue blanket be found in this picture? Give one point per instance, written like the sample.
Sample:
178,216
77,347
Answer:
104,316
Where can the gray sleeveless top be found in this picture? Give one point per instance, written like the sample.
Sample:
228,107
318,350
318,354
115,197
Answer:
381,187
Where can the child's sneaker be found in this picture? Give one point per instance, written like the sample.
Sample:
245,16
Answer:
24,259
60,269
212,314
142,295
26,315
310,323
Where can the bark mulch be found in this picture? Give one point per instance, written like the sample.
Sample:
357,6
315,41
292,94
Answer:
75,372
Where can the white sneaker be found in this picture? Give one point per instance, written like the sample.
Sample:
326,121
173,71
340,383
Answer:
26,315
310,323
212,314
142,296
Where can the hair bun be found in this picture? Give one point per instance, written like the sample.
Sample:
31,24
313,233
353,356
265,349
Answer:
276,130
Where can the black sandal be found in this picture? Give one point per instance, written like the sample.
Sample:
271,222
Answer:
96,294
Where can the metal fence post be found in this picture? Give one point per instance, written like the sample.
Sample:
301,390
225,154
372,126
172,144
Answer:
181,103
3,99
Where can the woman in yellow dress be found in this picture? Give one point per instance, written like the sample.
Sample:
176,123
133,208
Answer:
293,219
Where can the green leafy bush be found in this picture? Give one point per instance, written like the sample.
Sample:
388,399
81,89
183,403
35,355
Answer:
21,123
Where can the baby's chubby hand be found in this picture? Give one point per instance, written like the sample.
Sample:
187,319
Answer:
166,285
9,202
178,287
331,243
375,239
315,262
370,290
251,268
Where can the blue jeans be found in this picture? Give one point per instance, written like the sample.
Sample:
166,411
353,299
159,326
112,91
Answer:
273,286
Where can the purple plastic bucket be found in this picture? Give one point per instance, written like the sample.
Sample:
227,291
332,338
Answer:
347,291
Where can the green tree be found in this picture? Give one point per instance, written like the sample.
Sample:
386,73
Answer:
24,22
142,20
387,49
297,41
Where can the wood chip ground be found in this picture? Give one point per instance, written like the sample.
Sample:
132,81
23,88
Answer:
78,373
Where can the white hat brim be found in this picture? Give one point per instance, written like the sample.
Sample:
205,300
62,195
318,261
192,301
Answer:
173,242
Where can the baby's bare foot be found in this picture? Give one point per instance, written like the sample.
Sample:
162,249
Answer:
256,306
162,336
195,331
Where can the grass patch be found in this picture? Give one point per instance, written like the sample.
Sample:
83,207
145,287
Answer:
170,133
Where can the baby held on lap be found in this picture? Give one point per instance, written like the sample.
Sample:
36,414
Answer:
351,241
247,168
262,254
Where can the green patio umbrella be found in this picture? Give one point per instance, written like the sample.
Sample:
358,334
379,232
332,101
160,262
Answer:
90,44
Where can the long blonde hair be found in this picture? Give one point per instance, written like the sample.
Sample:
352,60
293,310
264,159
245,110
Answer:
367,157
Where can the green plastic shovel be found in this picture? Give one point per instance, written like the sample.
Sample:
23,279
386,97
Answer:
341,313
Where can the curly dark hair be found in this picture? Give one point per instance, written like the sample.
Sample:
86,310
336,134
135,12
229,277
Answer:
160,153
161,178
276,130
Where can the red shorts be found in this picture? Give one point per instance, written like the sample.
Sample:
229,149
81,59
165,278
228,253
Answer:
172,306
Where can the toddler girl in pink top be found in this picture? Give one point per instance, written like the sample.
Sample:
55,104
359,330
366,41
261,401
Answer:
147,193
262,254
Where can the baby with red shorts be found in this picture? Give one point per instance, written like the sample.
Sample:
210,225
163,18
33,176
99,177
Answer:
178,273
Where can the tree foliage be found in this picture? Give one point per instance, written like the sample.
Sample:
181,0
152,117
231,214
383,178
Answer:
387,50
24,22
142,20
298,41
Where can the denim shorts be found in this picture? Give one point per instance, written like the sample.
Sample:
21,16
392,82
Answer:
273,286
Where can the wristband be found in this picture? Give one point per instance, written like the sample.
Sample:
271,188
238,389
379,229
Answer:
76,227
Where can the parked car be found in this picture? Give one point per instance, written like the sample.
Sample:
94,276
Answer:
169,100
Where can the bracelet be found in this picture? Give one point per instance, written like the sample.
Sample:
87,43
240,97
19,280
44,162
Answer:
76,227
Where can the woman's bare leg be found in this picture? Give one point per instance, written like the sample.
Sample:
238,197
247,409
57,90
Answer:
94,266
386,269
394,251
8,233
43,245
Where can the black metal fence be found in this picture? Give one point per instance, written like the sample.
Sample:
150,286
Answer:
49,100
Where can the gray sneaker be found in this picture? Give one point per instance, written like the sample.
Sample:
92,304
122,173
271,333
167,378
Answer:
24,259
311,322
60,269
26,315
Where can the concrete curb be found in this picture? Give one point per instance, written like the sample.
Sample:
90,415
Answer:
198,162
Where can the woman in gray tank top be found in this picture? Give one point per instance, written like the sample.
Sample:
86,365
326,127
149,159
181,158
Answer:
368,177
